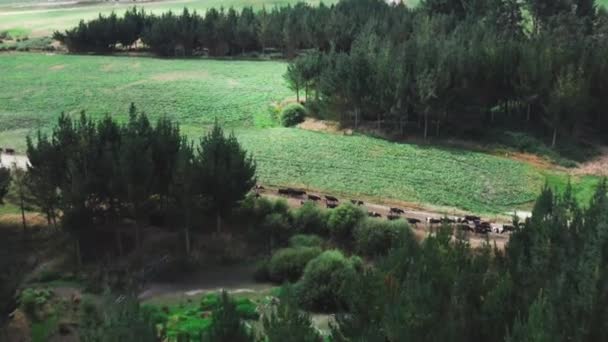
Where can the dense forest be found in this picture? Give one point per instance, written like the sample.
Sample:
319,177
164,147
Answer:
472,69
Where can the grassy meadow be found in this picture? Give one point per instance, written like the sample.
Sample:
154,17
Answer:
37,87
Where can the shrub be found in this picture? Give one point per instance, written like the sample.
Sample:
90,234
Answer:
302,240
227,325
343,220
33,299
261,272
246,309
310,219
287,321
287,264
376,237
292,114
322,287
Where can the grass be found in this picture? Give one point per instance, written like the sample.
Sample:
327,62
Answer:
36,87
44,19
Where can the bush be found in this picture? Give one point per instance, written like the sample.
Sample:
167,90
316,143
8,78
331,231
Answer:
343,220
322,287
245,308
292,114
287,322
261,272
310,219
32,300
302,240
287,264
227,325
376,237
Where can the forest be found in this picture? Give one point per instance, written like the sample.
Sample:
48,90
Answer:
471,69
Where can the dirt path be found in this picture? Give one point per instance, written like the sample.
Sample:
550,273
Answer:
598,166
421,229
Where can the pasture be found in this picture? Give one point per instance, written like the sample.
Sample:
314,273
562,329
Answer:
37,87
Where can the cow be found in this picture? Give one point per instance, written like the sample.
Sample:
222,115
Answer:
397,211
314,198
507,228
297,193
412,220
482,227
356,202
331,198
1,150
373,214
448,220
284,192
464,227
432,220
393,217
9,151
472,218
331,205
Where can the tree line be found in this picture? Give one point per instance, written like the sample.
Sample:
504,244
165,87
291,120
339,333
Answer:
96,173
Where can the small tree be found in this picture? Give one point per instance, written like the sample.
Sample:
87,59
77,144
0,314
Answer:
20,189
227,325
227,174
294,78
5,182
287,322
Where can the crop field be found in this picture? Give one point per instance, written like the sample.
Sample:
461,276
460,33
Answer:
40,18
35,88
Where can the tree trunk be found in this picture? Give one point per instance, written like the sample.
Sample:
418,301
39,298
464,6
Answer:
218,222
78,254
426,124
118,237
187,239
554,137
356,117
306,93
137,237
437,128
298,94
23,222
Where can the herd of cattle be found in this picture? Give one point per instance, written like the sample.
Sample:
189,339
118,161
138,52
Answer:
7,150
470,223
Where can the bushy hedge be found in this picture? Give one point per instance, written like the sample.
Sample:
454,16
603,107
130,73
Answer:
292,114
376,237
310,219
245,307
287,264
302,240
343,220
322,287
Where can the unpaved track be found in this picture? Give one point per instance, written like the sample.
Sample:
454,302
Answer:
422,229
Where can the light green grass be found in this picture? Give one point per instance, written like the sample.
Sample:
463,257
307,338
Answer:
35,88
44,20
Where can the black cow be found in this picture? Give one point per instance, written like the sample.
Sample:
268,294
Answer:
507,228
356,202
331,205
314,198
297,193
393,217
373,214
448,220
331,198
10,151
412,220
397,211
432,220
472,218
284,192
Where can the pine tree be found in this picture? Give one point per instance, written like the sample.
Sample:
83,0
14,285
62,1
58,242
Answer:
287,322
226,172
227,325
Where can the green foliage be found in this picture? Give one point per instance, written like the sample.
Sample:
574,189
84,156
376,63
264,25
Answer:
323,284
226,323
287,322
245,307
310,219
343,220
302,240
32,300
226,172
376,237
5,182
292,114
287,264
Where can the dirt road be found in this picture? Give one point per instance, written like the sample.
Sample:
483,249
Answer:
421,229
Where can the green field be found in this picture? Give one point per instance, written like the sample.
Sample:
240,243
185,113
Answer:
43,19
37,87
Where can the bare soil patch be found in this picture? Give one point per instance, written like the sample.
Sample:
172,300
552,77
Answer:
596,167
57,67
319,125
